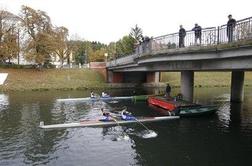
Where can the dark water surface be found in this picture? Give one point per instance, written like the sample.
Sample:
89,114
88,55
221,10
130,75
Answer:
224,138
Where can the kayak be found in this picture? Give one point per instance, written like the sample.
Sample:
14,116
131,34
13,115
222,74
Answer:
97,123
181,107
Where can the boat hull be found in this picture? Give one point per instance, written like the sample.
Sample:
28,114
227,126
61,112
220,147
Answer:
181,108
97,123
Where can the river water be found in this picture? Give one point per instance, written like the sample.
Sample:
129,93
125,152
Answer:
224,138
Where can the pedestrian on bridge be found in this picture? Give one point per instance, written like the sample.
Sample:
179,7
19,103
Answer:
230,28
197,32
182,34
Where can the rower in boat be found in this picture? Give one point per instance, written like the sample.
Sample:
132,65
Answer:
127,116
105,95
92,95
106,116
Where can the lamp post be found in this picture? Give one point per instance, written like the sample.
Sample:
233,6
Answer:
106,57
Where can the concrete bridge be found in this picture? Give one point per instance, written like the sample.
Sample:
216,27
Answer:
215,53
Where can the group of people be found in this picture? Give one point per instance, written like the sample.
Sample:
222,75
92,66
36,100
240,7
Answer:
108,116
198,32
124,115
103,94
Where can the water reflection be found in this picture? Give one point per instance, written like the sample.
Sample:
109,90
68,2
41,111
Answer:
4,102
222,139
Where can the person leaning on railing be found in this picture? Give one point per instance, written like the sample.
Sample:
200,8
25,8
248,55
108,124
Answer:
230,28
197,32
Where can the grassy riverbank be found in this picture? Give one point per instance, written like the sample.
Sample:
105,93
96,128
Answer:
205,79
63,79
72,79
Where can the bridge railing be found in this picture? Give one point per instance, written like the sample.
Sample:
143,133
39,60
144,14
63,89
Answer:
242,31
209,36
122,60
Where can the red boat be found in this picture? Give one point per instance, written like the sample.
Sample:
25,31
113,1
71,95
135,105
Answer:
181,107
162,102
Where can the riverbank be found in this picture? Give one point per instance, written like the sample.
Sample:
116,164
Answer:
47,79
80,79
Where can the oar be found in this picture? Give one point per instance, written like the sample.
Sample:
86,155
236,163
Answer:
138,121
142,124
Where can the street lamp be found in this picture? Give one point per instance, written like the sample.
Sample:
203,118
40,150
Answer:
106,57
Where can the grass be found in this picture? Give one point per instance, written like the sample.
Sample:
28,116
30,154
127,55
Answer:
61,79
76,79
205,79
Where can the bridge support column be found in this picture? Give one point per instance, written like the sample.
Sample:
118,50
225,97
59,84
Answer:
187,84
157,77
237,82
113,77
153,77
109,76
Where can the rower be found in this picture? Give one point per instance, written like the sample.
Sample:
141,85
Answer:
92,95
127,116
106,115
105,94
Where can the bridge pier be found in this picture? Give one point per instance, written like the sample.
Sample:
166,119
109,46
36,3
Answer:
237,82
114,77
153,77
187,84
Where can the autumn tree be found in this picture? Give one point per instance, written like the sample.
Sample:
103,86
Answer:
62,48
39,43
8,35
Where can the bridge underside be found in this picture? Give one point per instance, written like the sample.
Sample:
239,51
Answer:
236,60
133,77
197,60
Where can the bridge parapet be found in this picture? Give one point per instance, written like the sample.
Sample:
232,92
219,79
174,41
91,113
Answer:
211,38
122,60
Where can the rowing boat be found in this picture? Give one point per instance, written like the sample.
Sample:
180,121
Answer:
95,99
97,123
86,99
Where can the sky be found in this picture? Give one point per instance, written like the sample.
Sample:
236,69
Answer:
110,20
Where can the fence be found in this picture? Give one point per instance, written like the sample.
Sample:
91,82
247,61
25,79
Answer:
209,36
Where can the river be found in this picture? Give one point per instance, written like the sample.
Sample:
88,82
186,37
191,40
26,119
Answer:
224,138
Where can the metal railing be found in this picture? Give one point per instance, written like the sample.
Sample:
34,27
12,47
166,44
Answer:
242,31
209,37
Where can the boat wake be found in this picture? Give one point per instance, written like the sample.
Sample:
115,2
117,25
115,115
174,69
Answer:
113,102
147,134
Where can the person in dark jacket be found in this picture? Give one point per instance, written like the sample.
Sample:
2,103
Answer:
230,28
182,34
197,32
168,90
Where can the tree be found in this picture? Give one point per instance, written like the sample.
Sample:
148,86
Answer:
125,46
136,33
39,44
8,35
98,55
111,49
61,47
